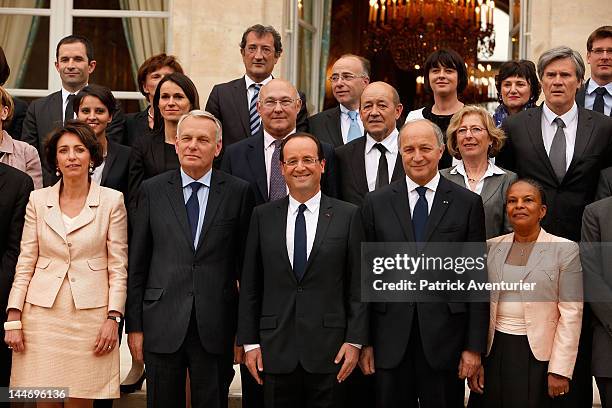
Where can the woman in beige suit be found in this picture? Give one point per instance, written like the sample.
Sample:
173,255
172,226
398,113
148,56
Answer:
533,330
69,290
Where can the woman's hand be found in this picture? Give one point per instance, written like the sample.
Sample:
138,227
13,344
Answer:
557,385
14,340
107,337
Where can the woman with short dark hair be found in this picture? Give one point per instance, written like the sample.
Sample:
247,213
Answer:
518,89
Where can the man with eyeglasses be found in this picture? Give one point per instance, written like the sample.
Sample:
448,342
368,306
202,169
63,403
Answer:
234,102
300,317
596,94
342,124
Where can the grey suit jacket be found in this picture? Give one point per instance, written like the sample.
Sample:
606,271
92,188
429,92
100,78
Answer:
597,271
493,197
604,187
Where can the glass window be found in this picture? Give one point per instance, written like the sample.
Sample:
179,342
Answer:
305,42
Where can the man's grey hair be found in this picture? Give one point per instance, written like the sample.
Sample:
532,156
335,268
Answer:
197,113
561,53
436,129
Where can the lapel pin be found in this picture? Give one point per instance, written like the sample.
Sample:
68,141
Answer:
327,215
445,202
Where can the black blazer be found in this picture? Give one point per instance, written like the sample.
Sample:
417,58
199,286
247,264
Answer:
604,186
167,277
302,322
524,153
446,329
136,124
44,115
246,160
228,102
581,94
352,180
117,168
326,126
16,126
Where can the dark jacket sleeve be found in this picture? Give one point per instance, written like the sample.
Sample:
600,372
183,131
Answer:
16,127
212,105
136,172
358,320
116,129
302,117
604,186
329,182
29,133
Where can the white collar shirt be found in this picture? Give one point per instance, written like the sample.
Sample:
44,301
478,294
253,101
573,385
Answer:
549,128
311,216
202,197
65,94
372,156
491,170
589,96
250,90
430,194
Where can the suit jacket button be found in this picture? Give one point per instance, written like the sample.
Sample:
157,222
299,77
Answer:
70,244
300,289
72,279
190,294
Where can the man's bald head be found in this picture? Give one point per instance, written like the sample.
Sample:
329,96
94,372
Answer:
277,84
278,107
380,109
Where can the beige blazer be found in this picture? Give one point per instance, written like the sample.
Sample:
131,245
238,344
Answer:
553,311
92,253
21,156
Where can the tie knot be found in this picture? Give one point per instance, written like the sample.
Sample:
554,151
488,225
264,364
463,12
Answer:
421,190
382,149
601,90
71,97
352,115
277,143
560,123
256,87
195,186
302,208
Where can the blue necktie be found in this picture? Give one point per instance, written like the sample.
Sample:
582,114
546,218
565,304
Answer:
193,209
354,130
420,214
254,121
299,244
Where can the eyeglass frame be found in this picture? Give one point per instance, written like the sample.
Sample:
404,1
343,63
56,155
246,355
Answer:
344,75
306,161
462,131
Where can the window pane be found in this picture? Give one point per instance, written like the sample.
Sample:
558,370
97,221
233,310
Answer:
150,5
305,10
27,3
25,41
304,60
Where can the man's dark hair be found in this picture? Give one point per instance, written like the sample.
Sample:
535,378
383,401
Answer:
83,132
320,155
447,58
74,38
5,70
101,92
600,33
153,64
533,183
523,69
260,31
188,87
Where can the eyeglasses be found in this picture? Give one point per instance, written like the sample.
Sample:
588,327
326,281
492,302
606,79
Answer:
266,51
346,77
306,161
601,51
271,103
474,130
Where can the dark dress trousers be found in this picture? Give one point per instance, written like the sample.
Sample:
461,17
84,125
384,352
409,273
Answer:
246,160
15,188
350,165
16,126
228,102
326,126
581,94
136,124
46,114
421,343
301,325
185,300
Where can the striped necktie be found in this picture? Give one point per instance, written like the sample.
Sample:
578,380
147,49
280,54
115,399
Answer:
254,121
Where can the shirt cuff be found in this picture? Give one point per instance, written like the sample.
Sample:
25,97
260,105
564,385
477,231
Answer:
249,347
352,344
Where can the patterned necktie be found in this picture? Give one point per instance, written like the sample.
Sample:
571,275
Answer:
382,175
254,121
299,244
278,187
598,105
69,112
193,210
420,214
354,129
557,150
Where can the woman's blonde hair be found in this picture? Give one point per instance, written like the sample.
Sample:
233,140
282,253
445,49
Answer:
7,100
497,135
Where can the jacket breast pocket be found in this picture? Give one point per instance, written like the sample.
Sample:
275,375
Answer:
43,262
153,294
97,264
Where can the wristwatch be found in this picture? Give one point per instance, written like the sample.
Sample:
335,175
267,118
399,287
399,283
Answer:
115,318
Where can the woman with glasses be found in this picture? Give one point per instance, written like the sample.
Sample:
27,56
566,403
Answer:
518,89
474,140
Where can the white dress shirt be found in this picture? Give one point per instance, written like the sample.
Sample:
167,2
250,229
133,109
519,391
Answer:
268,152
372,156
430,194
345,122
65,94
549,128
589,96
251,91
97,173
492,169
202,197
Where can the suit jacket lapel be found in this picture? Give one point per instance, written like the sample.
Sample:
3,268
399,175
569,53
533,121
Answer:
581,94
87,214
490,187
215,196
584,131
239,95
534,130
158,152
177,202
111,155
401,206
442,200
398,170
256,159
358,166
56,113
279,229
333,126
325,215
53,216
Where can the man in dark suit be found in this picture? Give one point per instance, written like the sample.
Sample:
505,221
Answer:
74,63
596,258
256,158
361,165
300,318
604,186
185,259
424,350
596,94
564,148
342,124
15,188
233,103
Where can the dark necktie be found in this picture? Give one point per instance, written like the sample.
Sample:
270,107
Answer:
278,188
69,112
557,150
382,175
193,209
299,244
598,105
254,121
420,214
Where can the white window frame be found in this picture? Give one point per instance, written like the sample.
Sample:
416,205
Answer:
61,14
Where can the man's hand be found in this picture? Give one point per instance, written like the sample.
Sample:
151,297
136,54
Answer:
135,342
254,363
476,382
238,354
366,360
469,364
350,354
557,385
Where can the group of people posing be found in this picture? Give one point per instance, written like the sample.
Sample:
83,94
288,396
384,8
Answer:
245,222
